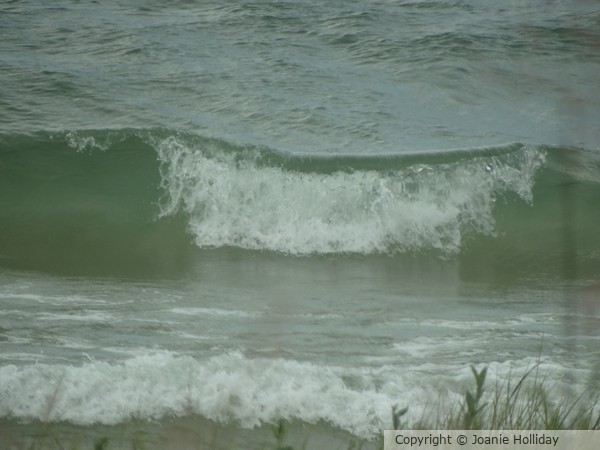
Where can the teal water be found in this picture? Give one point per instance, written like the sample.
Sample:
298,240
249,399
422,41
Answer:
240,213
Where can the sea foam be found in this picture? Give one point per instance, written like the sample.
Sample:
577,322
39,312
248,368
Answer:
231,199
226,388
232,388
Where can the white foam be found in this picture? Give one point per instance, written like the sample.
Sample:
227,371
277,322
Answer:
427,348
80,142
21,356
197,337
234,201
200,311
233,387
224,388
52,300
459,324
81,316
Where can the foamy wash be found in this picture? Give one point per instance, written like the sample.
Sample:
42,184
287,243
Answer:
237,214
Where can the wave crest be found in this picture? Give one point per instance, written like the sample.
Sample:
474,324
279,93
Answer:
232,199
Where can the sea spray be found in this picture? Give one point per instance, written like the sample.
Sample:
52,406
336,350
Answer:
232,200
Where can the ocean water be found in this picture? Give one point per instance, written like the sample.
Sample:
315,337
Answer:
218,215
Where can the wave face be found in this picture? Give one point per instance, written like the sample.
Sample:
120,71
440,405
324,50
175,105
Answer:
71,200
146,195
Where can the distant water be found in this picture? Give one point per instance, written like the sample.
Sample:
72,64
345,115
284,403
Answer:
311,211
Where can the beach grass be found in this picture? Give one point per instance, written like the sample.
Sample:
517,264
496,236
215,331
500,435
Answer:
527,403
